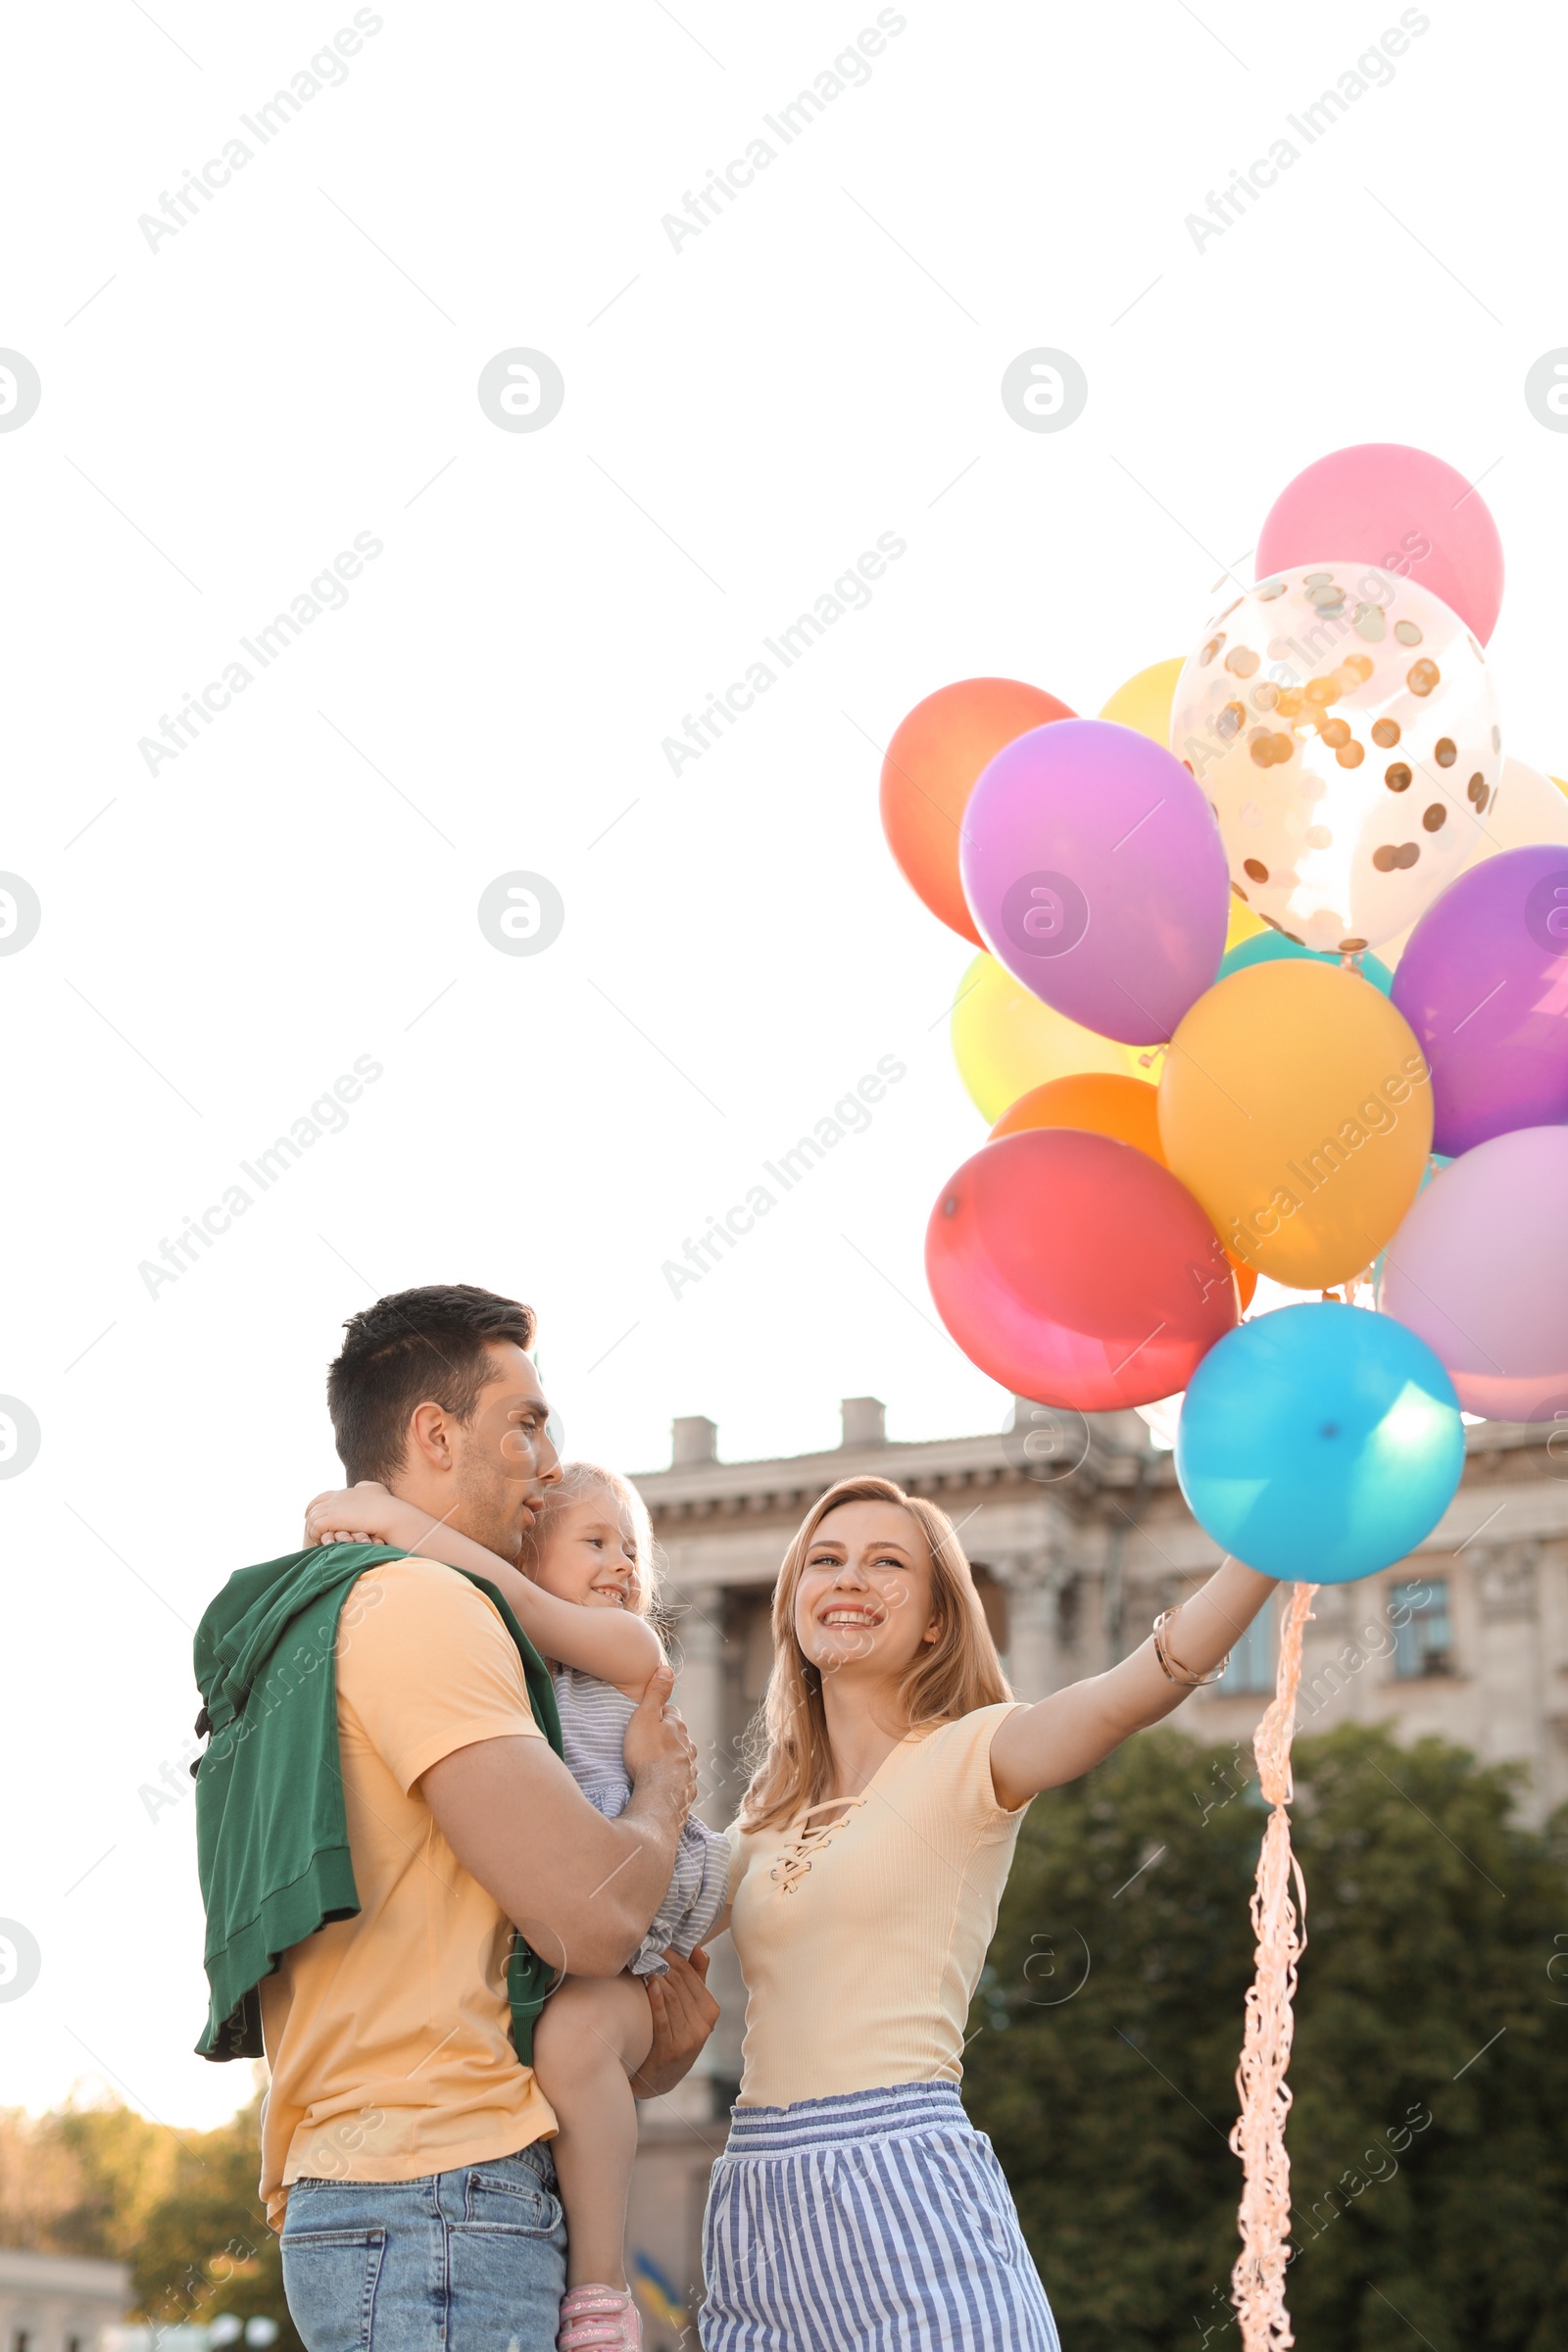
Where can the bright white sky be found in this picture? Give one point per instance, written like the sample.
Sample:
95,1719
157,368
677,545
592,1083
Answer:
743,416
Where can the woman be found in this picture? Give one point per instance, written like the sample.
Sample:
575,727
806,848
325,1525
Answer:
855,2209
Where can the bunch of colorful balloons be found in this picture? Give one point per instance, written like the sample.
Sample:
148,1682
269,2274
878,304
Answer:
1198,1070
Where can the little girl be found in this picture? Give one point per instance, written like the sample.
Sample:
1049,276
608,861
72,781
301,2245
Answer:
584,1603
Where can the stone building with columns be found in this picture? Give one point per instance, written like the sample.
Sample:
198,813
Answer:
1079,1538
59,2302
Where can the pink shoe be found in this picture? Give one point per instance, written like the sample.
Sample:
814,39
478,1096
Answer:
599,2319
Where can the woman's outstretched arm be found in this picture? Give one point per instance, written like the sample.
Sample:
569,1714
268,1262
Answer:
1041,1746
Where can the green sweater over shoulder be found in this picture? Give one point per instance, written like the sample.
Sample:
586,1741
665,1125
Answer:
272,1834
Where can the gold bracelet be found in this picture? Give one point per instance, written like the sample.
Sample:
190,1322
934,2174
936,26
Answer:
1179,1674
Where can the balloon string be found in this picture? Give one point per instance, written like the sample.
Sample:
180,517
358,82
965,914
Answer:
1257,2281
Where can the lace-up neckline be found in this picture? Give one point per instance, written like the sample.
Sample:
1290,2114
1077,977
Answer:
807,1838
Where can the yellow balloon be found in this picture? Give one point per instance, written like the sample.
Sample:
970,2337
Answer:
1296,1104
1243,924
1145,701
1527,806
1005,1041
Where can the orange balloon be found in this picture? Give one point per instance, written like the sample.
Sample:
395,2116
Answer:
1124,1107
1296,1106
932,766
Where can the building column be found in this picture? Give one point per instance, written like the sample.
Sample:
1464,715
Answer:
700,1696
1034,1663
1510,1656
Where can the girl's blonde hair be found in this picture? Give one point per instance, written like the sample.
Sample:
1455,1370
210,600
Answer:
579,1480
952,1676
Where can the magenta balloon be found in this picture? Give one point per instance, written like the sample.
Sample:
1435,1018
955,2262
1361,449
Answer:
1484,984
1479,1269
1399,509
1095,869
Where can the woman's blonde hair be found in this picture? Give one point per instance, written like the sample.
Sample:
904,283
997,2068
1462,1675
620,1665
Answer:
952,1676
577,1481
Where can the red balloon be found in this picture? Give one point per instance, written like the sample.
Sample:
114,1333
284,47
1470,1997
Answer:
931,768
1075,1270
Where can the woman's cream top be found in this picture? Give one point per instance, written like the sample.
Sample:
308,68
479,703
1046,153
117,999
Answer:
861,1936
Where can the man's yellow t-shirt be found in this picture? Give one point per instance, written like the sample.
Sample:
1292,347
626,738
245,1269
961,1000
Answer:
389,2034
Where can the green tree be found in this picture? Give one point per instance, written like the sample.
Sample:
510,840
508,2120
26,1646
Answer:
1429,2135
181,2207
205,2248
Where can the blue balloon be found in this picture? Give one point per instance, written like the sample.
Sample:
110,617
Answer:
1319,1442
1272,947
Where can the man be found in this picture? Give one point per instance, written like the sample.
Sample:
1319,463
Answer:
405,2143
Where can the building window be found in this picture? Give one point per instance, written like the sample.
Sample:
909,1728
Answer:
1423,1637
1251,1666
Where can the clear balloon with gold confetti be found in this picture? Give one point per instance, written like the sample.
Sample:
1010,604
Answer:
1343,724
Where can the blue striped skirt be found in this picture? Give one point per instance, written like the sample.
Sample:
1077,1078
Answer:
875,2221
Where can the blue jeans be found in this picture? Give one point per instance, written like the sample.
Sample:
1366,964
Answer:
467,2261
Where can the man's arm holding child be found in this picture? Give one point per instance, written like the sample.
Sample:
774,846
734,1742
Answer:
581,1888
685,2013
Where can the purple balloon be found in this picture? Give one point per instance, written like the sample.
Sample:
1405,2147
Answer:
1484,984
1094,867
1479,1269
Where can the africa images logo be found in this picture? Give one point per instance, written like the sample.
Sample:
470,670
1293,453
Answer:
1044,913
1547,912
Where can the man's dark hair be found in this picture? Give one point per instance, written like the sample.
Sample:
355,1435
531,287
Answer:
416,1346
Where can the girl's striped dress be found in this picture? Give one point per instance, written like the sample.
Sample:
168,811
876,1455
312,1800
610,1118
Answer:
594,1716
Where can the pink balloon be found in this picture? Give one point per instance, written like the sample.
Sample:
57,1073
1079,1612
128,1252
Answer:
1397,507
1479,1269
